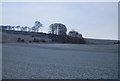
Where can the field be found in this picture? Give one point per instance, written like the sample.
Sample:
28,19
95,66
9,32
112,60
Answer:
59,61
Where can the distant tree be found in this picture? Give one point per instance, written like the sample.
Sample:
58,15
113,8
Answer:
3,27
18,28
8,27
22,28
53,28
74,33
37,26
58,29
29,29
12,27
25,28
33,29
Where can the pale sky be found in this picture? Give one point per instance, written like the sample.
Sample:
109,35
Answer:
91,19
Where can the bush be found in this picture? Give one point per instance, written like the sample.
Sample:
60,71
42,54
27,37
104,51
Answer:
118,42
36,40
30,41
20,40
67,39
33,36
43,40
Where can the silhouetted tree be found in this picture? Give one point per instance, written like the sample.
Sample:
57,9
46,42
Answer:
18,28
74,33
35,40
58,29
37,26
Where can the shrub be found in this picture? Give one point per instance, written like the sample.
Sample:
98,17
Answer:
36,40
43,40
33,36
19,40
22,40
30,41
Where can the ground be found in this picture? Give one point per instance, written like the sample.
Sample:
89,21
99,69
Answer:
59,61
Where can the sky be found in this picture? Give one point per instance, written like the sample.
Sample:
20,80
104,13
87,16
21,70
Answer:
91,19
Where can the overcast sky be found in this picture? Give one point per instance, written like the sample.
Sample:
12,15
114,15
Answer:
91,19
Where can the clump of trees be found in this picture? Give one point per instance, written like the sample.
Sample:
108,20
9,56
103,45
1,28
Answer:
57,29
67,39
74,33
57,33
35,28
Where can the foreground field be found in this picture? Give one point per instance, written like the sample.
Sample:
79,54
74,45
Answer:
59,61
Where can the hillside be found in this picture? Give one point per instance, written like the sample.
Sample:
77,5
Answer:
10,36
100,41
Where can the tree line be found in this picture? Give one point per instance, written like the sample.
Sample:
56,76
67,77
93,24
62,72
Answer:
35,28
55,28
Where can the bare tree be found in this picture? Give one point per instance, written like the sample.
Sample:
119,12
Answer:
37,26
18,28
12,27
22,28
29,29
26,28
